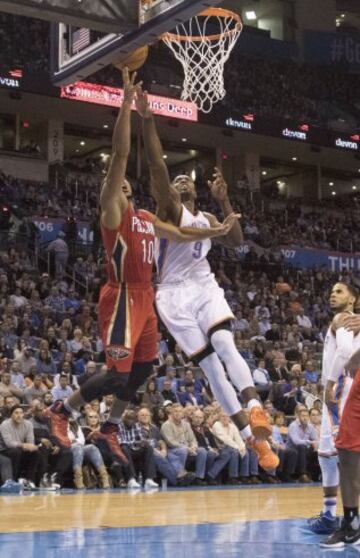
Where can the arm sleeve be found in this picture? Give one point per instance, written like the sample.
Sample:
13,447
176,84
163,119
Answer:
344,350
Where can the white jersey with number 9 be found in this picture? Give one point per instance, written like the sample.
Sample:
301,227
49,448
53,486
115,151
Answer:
186,260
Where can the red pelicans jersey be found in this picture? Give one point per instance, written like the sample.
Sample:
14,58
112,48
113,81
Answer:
130,248
127,318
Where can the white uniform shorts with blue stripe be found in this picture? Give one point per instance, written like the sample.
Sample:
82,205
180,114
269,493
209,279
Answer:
190,309
330,421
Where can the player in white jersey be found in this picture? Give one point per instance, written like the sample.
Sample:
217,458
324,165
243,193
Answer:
339,345
189,301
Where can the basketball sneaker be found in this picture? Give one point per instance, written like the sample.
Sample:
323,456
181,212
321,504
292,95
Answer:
58,417
11,487
345,535
259,424
268,460
323,524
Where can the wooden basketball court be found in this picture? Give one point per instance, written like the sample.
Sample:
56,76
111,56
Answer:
175,523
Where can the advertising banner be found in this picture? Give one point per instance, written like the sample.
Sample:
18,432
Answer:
113,97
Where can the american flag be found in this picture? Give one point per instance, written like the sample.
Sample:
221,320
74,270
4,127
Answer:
80,39
16,73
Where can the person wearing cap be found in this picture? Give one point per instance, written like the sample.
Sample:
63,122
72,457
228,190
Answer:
17,443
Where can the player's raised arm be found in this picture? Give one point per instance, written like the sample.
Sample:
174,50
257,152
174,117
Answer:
193,234
219,191
166,197
113,199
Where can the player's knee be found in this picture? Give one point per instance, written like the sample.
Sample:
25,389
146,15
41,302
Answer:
329,470
222,341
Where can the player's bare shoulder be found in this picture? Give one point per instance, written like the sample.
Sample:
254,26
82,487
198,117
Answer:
340,320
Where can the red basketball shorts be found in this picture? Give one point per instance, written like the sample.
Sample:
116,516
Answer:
128,324
349,431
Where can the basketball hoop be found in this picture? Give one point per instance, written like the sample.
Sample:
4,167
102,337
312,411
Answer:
203,45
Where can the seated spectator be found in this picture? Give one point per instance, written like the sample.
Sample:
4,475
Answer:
151,397
81,451
45,363
315,420
292,397
83,358
54,461
302,437
190,397
167,391
151,433
189,377
302,320
90,370
137,449
35,391
105,407
311,375
76,344
262,380
179,357
8,402
26,359
182,445
64,390
18,443
217,457
16,377
273,334
226,432
7,388
168,366
116,464
288,456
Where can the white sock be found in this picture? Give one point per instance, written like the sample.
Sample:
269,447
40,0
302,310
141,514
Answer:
253,403
237,368
246,433
330,505
223,391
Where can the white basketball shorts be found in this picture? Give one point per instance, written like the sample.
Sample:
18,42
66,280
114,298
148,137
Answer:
190,309
330,420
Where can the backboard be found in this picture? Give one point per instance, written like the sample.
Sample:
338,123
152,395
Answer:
77,51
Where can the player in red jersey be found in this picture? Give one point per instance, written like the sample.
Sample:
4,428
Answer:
126,314
348,446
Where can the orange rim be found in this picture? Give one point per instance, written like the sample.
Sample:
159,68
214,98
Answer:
215,12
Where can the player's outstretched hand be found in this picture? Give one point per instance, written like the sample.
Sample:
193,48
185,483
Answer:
227,225
218,186
142,103
130,87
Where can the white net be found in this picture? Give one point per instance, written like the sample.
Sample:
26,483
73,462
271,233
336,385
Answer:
203,45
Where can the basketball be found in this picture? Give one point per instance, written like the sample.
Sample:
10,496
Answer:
134,60
283,288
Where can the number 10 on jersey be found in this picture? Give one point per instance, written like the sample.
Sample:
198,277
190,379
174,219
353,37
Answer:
148,250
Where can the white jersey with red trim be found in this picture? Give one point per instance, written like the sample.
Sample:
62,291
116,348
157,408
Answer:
179,261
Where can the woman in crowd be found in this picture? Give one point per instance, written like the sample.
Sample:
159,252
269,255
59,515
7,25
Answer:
82,451
152,398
